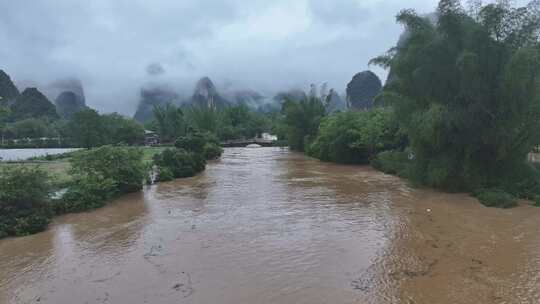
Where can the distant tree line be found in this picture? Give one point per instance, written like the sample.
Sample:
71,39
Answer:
231,122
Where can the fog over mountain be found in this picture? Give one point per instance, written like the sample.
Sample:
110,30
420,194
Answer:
116,47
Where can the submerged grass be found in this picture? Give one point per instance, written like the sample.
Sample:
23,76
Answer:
58,165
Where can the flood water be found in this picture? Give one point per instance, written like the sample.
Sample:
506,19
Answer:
22,154
271,226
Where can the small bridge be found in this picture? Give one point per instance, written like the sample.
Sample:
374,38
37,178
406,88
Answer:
244,142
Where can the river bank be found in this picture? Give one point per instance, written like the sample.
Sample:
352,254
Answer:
272,226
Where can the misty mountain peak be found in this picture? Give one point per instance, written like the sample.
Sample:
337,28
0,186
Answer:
31,103
69,103
206,95
8,90
362,89
205,88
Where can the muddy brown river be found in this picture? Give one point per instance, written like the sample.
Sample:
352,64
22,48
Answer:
271,226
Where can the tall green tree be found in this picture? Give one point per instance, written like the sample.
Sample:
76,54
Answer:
356,136
466,90
4,114
170,122
203,119
239,121
31,128
86,129
302,119
122,130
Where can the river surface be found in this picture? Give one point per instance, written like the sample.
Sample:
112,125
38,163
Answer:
271,226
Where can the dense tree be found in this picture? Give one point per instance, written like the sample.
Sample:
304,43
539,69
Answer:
239,121
205,144
122,165
232,122
4,114
24,192
356,137
89,129
30,128
204,119
86,129
179,163
302,119
121,130
170,122
466,91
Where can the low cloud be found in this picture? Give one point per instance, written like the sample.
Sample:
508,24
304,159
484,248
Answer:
116,47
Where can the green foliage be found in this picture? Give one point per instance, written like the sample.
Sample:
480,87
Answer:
180,162
465,91
392,162
121,130
4,114
203,119
233,122
536,201
170,122
8,90
356,137
495,198
84,193
100,174
165,174
24,192
212,151
205,144
239,121
30,128
123,165
302,119
192,142
86,129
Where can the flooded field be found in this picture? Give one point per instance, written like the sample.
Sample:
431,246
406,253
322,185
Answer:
23,154
271,226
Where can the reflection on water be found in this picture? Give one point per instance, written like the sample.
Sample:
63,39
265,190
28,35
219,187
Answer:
271,226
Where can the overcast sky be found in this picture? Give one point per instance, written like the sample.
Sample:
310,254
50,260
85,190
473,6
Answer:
116,46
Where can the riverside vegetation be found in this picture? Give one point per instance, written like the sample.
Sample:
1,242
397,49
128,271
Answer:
28,200
461,106
459,113
108,168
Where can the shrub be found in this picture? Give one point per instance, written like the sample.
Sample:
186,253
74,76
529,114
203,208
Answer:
85,193
99,175
123,165
24,192
35,222
180,162
192,142
212,151
356,137
165,174
392,162
495,198
302,119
